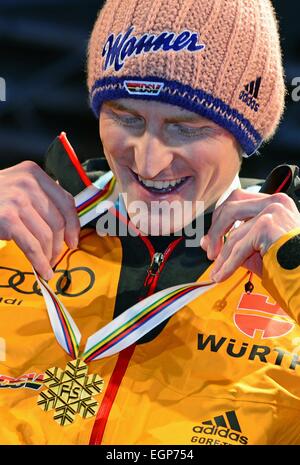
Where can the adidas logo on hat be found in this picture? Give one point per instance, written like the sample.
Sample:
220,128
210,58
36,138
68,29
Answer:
225,427
250,94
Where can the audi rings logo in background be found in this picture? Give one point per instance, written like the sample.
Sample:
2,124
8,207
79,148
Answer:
70,283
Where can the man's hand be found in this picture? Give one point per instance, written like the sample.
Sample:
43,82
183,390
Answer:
37,214
265,218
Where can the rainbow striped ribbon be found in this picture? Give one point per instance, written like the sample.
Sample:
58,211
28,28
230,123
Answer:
134,322
92,202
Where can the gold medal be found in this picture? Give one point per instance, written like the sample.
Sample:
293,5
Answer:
70,392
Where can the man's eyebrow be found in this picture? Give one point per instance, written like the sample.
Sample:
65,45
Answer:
189,118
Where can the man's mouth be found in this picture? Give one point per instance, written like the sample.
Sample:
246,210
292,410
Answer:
161,187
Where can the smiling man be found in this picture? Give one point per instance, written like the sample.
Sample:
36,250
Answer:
161,152
141,338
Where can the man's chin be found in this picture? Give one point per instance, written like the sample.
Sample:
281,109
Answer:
159,225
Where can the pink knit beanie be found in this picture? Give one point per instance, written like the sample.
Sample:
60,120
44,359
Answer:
218,58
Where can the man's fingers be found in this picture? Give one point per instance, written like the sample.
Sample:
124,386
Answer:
65,203
72,228
57,246
236,196
39,229
229,213
63,200
52,216
32,249
239,253
37,214
234,238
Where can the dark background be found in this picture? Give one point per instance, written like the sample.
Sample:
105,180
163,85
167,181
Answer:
42,58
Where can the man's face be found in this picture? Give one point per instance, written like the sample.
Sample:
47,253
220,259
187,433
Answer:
160,152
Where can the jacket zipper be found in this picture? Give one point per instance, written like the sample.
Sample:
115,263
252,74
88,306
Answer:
158,261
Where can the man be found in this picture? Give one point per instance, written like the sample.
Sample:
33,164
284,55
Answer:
182,90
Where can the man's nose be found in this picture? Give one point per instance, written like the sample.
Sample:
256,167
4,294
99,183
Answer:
152,156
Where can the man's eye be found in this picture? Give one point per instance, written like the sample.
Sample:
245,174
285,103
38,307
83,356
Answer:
129,120
190,131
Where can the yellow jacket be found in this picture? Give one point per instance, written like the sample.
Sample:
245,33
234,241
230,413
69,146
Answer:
224,370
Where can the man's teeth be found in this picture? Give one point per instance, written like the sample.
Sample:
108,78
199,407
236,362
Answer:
160,184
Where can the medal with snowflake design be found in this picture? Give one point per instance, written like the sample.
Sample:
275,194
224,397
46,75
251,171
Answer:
70,392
